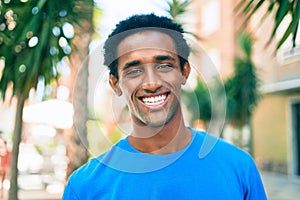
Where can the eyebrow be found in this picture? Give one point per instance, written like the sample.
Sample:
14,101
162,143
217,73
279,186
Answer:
131,63
164,57
157,58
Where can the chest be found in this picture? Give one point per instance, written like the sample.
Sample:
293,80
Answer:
187,180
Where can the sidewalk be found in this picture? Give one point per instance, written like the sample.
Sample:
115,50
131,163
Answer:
37,195
281,187
33,195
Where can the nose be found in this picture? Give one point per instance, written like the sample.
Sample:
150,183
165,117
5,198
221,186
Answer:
151,82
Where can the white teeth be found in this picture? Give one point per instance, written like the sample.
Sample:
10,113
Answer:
154,100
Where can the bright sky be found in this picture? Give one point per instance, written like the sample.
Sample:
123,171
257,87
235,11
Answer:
116,10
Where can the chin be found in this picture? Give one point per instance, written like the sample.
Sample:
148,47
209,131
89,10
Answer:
157,122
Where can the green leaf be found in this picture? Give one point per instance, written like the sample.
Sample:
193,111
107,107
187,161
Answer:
248,7
177,8
256,7
280,15
295,35
292,28
239,6
281,8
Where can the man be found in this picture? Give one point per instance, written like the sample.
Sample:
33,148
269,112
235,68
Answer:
148,61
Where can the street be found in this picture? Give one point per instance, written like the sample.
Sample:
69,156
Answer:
281,187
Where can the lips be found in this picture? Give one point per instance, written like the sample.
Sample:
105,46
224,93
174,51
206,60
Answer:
154,100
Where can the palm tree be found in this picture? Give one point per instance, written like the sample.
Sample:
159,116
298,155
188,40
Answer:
281,9
177,8
76,141
242,88
35,35
198,100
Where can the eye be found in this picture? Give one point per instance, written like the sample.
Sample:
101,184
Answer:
164,67
134,72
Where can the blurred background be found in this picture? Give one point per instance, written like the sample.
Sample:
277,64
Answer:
57,110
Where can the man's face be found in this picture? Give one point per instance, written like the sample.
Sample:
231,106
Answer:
150,77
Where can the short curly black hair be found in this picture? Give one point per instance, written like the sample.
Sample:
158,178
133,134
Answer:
142,22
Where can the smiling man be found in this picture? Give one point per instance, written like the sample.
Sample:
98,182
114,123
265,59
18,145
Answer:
147,57
150,77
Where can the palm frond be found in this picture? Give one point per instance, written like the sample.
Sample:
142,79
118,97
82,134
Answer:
281,9
177,8
38,18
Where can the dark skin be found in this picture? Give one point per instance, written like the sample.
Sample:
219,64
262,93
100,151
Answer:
150,78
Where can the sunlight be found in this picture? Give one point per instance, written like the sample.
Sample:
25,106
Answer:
112,13
56,113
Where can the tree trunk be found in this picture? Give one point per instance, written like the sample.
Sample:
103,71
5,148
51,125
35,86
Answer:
77,143
13,190
76,138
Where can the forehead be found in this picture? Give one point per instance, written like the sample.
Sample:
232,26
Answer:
149,39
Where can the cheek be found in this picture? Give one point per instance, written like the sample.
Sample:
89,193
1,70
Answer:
175,80
128,88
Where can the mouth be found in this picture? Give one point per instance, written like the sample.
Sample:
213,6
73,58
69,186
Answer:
154,100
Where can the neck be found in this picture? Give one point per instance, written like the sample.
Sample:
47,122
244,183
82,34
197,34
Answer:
168,138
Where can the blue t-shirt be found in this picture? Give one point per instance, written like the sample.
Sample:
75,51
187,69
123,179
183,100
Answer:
223,172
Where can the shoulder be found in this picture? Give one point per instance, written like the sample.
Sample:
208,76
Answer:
87,167
236,164
224,154
85,172
79,181
94,169
218,148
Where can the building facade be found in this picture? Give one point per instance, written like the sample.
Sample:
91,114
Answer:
276,123
276,119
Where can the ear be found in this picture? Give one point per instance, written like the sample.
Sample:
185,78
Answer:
185,72
114,84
